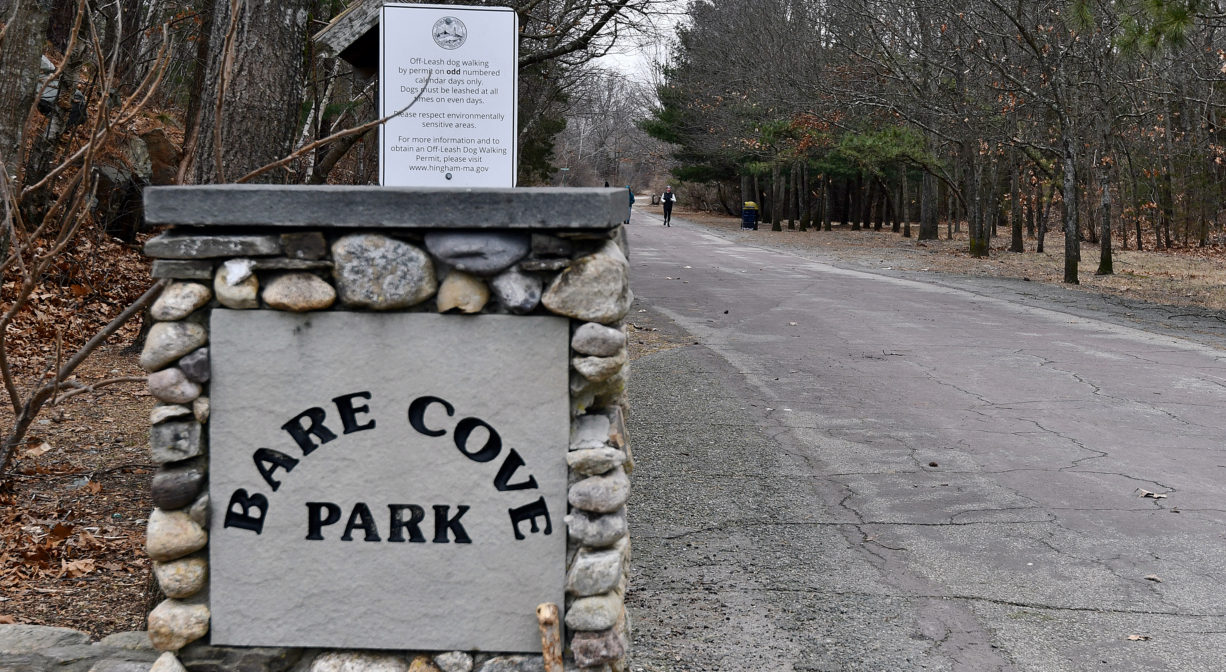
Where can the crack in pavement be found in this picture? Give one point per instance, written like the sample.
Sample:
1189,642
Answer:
1021,604
767,522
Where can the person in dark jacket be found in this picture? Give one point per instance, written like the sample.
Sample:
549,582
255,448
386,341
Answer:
631,208
667,199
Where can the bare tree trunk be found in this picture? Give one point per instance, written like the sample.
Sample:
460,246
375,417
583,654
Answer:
757,195
765,206
977,224
1104,184
798,194
1168,188
947,202
896,205
132,13
827,205
883,200
61,117
802,196
776,199
905,209
1044,216
1167,211
865,195
1015,214
1072,241
845,212
929,226
253,88
1032,206
25,30
1102,165
196,95
992,204
1134,199
789,197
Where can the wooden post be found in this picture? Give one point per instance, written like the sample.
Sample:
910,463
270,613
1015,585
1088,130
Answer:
551,636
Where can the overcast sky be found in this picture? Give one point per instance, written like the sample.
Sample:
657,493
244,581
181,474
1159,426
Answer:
639,55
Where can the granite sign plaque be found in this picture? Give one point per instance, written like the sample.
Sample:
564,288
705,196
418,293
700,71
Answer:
392,481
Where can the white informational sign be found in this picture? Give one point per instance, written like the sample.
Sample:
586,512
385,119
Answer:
461,131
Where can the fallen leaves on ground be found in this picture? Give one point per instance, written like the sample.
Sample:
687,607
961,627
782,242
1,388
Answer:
72,517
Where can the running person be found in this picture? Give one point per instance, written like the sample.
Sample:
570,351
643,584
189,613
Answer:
668,198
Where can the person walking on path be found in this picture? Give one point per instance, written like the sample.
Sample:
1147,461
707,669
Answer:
629,209
668,198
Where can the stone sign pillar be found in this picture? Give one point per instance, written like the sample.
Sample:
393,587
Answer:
390,426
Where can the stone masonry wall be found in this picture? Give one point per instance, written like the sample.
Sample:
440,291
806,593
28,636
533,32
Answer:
519,252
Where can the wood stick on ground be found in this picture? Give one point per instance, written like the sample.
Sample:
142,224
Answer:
551,637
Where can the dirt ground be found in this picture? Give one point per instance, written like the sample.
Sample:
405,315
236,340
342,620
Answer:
74,501
73,506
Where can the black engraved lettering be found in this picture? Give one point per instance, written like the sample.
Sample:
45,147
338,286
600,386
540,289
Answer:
399,524
417,414
530,512
503,480
316,520
360,518
493,444
349,412
241,517
268,461
442,524
302,434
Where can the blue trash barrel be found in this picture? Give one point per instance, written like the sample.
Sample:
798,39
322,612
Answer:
749,215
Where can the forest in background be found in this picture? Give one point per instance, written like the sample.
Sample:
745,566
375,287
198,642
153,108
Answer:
102,98
1101,116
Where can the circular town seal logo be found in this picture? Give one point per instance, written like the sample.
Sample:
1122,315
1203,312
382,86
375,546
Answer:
449,32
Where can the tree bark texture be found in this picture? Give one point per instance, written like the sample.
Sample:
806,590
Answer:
802,196
789,197
776,211
827,203
1015,213
1045,212
929,227
252,92
1032,207
976,218
1104,261
864,203
1072,242
20,54
904,209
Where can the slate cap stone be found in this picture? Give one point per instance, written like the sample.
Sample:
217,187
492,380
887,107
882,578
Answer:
374,207
183,269
175,245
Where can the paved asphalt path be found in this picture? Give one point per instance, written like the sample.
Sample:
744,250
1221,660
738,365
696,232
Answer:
845,470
